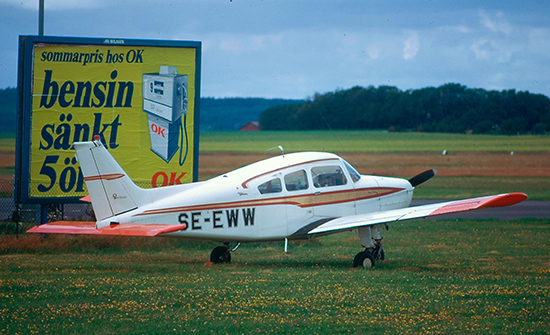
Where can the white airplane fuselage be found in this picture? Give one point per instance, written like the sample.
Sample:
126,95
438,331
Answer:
298,191
293,196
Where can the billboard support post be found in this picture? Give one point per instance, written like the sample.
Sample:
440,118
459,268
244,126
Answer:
41,18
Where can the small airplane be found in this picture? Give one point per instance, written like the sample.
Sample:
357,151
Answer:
290,196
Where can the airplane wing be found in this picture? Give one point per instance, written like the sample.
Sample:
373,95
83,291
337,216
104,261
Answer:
369,219
88,228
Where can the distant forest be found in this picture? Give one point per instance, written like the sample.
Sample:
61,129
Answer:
215,114
8,109
233,113
448,108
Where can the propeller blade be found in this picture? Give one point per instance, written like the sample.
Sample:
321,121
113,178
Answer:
422,177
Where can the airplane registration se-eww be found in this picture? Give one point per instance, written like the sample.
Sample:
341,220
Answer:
290,196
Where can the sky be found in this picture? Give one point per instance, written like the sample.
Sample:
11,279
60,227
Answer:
293,49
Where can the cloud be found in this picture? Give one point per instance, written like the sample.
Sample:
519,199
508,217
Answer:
497,41
292,49
374,50
480,49
496,24
238,44
53,4
411,47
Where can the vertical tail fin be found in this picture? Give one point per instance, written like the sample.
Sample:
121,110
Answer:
111,191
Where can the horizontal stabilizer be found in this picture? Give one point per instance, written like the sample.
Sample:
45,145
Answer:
89,228
370,219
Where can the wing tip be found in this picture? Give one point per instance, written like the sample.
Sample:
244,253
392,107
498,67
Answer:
506,199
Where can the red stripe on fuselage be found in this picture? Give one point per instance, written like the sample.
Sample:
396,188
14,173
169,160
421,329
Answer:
302,201
111,176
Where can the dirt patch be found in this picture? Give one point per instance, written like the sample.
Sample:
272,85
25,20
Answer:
437,246
7,159
488,259
406,164
384,164
454,164
216,163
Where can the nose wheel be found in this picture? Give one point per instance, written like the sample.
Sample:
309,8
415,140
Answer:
363,260
366,259
222,254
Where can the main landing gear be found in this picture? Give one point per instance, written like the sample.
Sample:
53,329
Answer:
222,254
371,240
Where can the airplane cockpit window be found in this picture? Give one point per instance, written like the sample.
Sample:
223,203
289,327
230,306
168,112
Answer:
296,181
330,175
271,186
355,176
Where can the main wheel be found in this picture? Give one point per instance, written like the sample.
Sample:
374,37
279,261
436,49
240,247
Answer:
364,260
220,255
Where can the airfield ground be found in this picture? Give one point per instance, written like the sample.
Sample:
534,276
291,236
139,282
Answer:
440,277
459,174
472,164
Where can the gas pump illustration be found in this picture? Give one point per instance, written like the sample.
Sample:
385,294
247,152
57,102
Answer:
165,102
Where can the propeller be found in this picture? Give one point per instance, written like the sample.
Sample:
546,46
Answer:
422,177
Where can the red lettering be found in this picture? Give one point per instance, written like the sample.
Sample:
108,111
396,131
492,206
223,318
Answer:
174,180
161,179
154,180
158,130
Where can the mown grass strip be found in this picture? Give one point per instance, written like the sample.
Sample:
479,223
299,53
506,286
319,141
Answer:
451,188
446,276
356,141
370,141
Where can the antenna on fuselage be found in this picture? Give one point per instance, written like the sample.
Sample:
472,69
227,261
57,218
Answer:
278,147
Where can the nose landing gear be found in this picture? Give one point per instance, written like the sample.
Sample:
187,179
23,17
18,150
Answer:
367,258
371,239
222,254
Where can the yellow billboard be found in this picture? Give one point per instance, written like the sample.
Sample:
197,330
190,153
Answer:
140,98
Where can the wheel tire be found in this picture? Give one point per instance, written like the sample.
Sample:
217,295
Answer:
363,260
220,255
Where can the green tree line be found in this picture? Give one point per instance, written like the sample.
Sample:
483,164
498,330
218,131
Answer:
8,109
215,113
447,108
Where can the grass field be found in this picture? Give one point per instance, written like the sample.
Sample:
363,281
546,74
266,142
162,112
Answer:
474,165
355,141
370,142
441,277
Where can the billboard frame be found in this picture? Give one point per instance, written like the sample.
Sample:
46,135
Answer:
27,43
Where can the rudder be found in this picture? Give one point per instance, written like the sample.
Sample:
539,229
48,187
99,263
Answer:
112,192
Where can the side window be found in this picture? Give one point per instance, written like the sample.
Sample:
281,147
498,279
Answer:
271,186
330,175
296,181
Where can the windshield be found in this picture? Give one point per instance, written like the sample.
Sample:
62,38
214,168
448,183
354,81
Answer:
355,176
